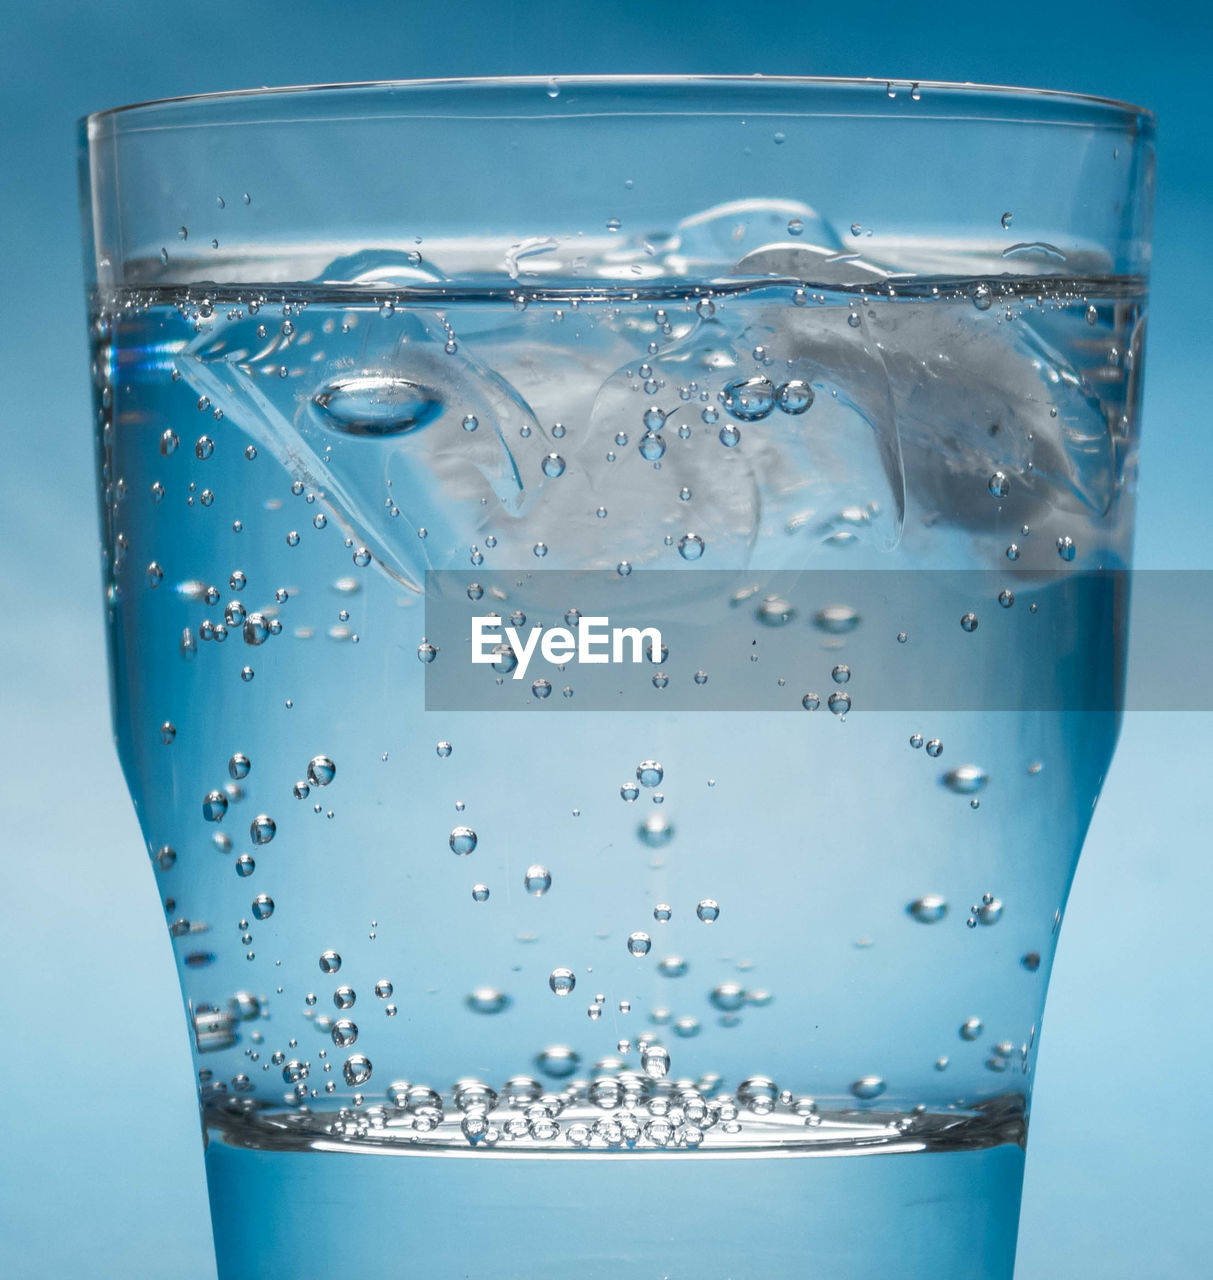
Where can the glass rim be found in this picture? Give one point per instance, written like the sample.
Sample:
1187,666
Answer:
959,89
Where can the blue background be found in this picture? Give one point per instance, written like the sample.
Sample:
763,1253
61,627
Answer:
100,1162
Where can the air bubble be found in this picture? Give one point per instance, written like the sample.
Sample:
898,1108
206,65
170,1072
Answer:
794,397
462,840
690,546
321,771
966,779
262,829
357,1070
214,806
562,981
649,773
487,1000
655,1061
990,911
728,997
652,447
929,909
537,880
748,399
639,944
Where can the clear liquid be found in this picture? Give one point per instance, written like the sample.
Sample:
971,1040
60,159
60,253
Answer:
309,458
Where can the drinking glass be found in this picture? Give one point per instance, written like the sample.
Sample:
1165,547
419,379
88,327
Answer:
615,606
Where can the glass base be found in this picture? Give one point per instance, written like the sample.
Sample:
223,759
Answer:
850,1214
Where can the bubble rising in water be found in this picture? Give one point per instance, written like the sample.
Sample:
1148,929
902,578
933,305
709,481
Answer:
728,997
262,829
655,1061
652,447
238,766
929,909
990,911
748,399
537,880
639,944
377,405
868,1087
649,773
656,830
934,748
998,485
794,397
214,806
562,981
462,840
839,703
263,906
708,910
558,1061
966,779
330,962
971,1029
836,619
344,1033
690,546
357,1069
487,1000
321,771
553,466
1066,548
480,893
